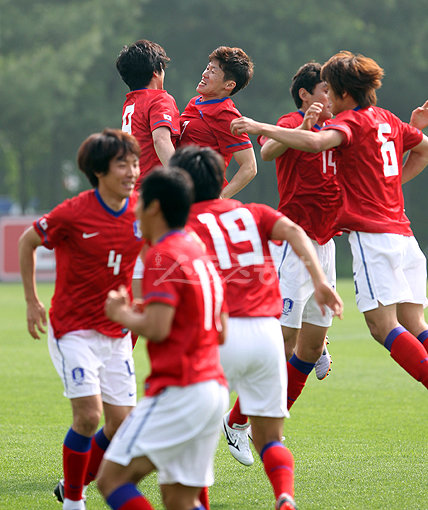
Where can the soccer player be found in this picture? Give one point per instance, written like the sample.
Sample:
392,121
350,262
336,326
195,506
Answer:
96,242
389,267
206,119
309,195
236,237
149,112
175,427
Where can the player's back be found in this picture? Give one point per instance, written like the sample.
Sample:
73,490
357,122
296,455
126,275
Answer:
177,274
236,236
369,165
144,111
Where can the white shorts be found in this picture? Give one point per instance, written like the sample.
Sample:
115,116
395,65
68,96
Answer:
138,269
253,361
388,269
297,290
178,430
90,363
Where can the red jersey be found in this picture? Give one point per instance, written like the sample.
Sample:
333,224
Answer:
95,252
207,124
177,274
144,111
369,168
236,236
308,190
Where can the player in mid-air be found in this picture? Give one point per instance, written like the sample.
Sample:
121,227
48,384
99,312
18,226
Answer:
236,237
206,119
389,267
175,427
96,241
301,177
149,112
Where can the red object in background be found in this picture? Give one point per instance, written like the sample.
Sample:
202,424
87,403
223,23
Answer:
11,228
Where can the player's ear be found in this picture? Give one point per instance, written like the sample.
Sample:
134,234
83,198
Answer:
303,93
153,208
230,85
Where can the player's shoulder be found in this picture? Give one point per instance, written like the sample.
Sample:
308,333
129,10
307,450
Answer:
291,119
81,201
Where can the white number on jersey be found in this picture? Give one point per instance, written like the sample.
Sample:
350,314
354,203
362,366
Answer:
114,261
126,119
250,233
183,128
212,304
327,161
389,156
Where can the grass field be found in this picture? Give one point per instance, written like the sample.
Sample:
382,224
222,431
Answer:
359,438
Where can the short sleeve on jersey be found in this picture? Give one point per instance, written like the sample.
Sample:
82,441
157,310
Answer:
343,128
164,113
52,227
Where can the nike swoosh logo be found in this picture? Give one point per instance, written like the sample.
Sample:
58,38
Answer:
229,440
87,236
131,394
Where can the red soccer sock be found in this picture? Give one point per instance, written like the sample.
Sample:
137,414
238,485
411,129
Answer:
75,458
298,372
127,497
99,444
235,415
423,339
204,498
409,353
278,462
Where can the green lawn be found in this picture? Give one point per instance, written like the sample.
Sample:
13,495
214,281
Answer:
359,437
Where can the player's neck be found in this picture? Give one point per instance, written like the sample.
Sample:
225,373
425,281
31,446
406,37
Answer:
113,201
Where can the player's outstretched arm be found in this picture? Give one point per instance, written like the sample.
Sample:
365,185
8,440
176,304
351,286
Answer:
36,313
286,230
299,139
154,322
419,117
271,149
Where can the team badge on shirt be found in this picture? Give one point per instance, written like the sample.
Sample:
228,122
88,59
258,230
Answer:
287,306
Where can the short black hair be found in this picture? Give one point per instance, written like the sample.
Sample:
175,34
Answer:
307,77
96,152
206,168
174,189
137,63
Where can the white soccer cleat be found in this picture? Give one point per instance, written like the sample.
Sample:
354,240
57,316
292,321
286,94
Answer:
237,441
323,365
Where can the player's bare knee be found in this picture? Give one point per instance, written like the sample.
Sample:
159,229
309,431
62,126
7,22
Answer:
86,424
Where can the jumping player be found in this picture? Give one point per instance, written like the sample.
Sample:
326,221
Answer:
301,177
236,237
149,112
92,354
389,267
206,119
175,427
